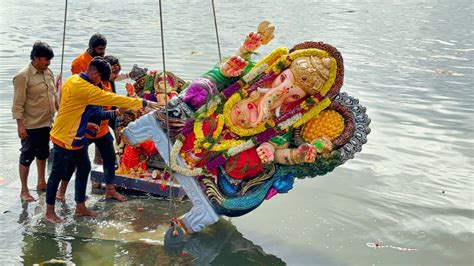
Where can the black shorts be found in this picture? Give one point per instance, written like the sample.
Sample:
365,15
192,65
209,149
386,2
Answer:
36,145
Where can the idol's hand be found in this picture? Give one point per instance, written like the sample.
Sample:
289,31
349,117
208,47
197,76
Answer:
161,99
233,67
306,152
130,90
266,152
323,145
266,30
253,41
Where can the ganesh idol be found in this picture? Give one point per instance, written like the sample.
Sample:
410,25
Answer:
243,132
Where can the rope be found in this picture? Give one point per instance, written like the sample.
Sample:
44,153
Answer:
217,32
172,200
64,39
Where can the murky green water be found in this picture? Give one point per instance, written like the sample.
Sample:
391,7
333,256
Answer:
410,191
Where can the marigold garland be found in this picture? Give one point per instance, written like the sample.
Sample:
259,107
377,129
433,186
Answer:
313,112
274,55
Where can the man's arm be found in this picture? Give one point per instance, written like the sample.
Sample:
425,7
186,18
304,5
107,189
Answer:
58,85
18,108
122,76
100,97
97,113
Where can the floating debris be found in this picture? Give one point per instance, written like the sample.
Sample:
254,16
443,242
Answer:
446,72
196,53
377,245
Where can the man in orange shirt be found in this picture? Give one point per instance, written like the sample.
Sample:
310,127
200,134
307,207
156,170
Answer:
97,46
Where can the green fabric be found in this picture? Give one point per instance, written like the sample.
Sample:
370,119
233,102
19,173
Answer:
281,140
220,80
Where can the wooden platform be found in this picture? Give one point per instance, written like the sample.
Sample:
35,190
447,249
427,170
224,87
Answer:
140,184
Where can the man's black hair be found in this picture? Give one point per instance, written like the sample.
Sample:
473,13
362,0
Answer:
41,49
102,66
97,40
112,60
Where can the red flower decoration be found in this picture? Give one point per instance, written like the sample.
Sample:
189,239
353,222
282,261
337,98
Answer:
131,157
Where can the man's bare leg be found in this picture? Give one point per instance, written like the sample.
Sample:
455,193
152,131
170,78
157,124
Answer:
81,210
111,193
41,165
61,194
51,215
25,193
97,157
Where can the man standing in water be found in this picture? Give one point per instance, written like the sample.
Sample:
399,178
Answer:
100,117
97,46
67,134
34,104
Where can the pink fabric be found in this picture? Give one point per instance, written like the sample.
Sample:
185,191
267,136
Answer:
272,192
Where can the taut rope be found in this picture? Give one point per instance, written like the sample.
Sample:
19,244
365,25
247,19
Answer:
64,39
217,32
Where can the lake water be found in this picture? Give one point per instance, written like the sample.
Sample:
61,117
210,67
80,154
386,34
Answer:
407,199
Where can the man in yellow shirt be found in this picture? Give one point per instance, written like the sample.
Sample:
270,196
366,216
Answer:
100,117
34,105
67,134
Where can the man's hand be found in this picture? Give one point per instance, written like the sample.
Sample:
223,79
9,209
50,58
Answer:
154,105
122,110
22,132
59,83
92,127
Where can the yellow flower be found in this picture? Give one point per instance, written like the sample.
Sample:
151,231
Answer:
226,144
274,55
220,126
199,135
313,112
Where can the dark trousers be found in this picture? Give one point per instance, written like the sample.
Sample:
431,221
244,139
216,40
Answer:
105,145
62,158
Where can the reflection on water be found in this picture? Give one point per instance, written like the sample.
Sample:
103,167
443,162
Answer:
409,63
125,234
